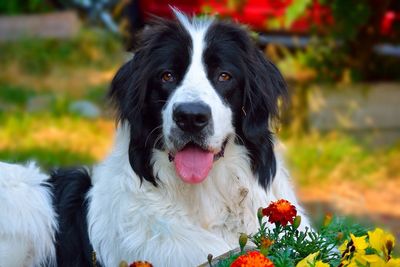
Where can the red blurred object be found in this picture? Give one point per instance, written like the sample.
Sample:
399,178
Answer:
255,13
387,22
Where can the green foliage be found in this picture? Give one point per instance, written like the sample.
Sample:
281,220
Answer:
282,258
13,7
52,138
12,94
342,50
332,157
290,245
97,94
228,261
40,78
347,24
39,55
331,55
48,158
296,10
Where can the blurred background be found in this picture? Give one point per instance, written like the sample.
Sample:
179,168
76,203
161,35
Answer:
341,59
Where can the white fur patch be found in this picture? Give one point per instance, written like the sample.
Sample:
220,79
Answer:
27,220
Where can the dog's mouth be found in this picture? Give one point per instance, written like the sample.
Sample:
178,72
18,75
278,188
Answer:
193,162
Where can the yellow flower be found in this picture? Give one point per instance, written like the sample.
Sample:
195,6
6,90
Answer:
393,263
374,260
358,259
310,261
381,241
360,242
321,264
354,251
343,247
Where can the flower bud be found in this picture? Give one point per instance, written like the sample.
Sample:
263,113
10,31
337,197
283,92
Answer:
140,264
260,214
242,241
266,242
296,221
327,219
265,245
339,236
123,264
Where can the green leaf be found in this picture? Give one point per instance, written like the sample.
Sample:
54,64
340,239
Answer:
295,11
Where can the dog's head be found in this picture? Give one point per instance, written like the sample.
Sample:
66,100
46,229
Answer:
192,86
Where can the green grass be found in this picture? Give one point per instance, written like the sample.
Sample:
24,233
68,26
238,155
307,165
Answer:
38,56
55,73
97,94
48,157
339,156
56,105
12,94
53,139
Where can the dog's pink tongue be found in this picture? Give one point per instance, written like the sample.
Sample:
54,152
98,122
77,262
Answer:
193,164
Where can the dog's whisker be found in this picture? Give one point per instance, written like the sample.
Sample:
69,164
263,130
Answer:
158,139
239,138
147,138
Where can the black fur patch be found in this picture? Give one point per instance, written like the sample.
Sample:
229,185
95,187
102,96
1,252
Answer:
73,247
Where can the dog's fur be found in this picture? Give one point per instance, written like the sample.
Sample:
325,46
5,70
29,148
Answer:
133,205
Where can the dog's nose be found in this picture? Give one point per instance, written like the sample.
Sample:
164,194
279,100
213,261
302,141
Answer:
191,117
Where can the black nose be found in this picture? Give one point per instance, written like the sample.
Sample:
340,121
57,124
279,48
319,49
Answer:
191,117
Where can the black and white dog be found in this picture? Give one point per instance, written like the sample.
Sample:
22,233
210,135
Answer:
193,160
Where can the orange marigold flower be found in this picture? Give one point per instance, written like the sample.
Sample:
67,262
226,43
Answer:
266,242
252,259
140,264
281,211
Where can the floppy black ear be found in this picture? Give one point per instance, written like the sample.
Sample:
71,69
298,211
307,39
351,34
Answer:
128,93
264,86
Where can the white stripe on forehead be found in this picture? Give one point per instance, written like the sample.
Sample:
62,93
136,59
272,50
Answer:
196,24
196,76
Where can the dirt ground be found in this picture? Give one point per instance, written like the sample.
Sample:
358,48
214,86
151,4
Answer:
379,205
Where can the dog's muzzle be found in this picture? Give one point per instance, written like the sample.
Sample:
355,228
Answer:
193,159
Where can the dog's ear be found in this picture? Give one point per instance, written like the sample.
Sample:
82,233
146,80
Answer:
119,89
128,93
125,92
264,86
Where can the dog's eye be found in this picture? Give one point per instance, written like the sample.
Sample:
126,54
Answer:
223,77
167,77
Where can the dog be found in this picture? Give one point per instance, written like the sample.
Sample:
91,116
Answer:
193,160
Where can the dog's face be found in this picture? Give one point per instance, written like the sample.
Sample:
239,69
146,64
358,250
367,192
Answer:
191,87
